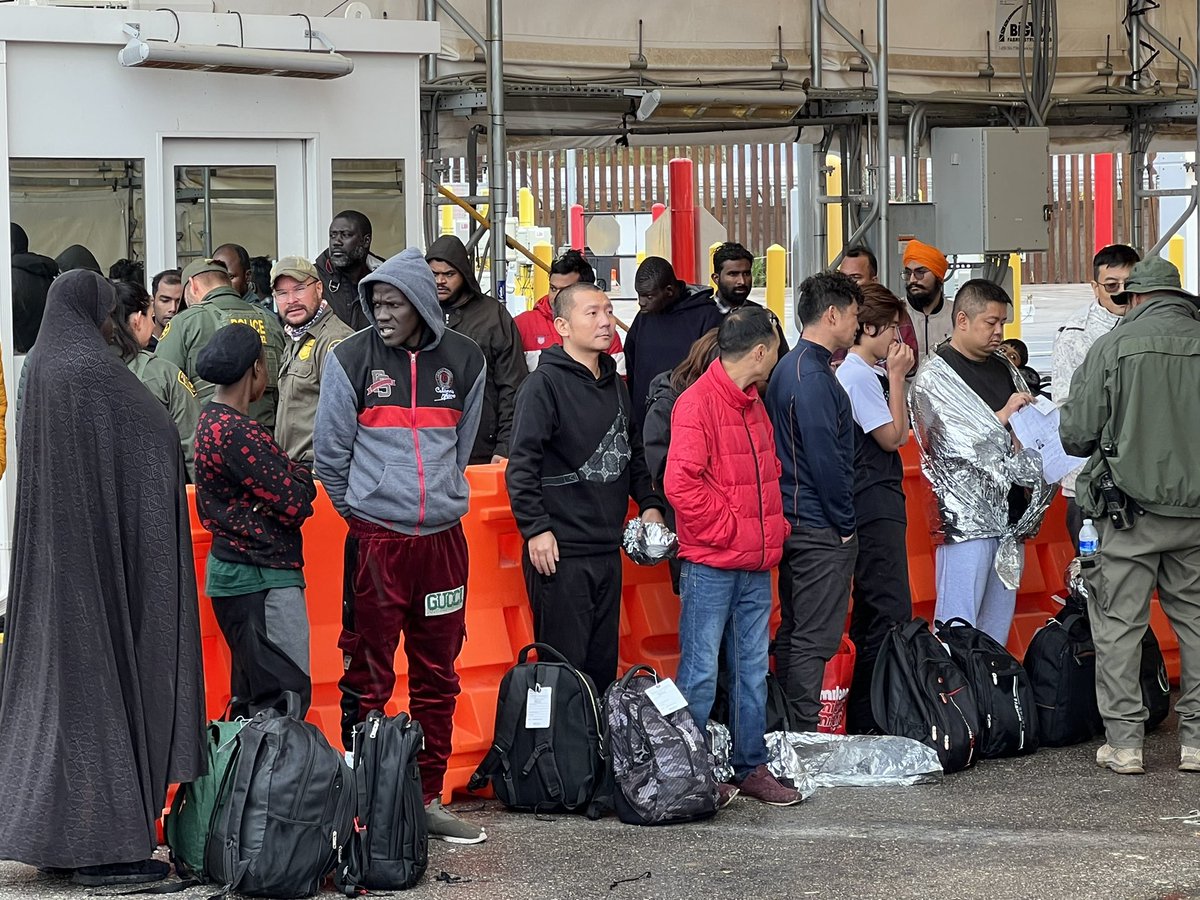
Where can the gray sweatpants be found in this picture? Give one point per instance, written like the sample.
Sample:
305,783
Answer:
1160,551
969,588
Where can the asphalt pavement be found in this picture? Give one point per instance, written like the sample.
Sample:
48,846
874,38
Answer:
1048,825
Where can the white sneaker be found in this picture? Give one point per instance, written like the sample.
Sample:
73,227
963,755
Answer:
1126,761
1189,759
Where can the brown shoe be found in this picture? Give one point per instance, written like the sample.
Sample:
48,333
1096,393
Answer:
725,794
765,787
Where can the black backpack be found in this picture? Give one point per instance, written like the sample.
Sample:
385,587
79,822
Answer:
544,769
390,846
919,692
1007,713
662,770
1156,687
285,811
1061,662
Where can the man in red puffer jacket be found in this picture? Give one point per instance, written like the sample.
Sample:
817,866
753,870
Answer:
723,480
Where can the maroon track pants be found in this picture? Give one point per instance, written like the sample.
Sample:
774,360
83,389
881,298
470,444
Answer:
396,583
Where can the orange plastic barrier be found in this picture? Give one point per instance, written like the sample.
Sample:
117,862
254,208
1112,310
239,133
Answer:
499,621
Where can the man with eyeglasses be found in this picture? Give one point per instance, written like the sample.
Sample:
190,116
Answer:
925,270
313,329
1110,268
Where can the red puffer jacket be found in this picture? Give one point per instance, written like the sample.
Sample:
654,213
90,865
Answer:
723,476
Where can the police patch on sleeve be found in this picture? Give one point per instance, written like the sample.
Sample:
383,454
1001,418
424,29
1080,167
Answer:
187,383
441,603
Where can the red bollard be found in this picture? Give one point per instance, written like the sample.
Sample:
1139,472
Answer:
683,219
577,228
1103,192
657,210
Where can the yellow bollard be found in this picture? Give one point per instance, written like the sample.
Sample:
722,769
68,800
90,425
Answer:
641,257
447,219
712,250
776,279
1013,329
541,278
833,212
1175,253
525,207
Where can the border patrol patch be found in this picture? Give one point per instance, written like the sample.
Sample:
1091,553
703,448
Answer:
187,383
441,603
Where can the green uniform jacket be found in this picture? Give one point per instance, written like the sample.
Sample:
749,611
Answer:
300,385
174,391
187,333
1137,395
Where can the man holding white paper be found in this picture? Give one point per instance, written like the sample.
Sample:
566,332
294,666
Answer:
990,490
723,480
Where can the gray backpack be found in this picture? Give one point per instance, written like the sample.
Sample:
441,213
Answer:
662,769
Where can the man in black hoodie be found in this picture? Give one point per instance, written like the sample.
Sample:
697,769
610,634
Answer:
574,465
31,277
673,316
485,321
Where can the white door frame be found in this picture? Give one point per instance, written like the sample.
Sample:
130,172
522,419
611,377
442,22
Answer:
293,158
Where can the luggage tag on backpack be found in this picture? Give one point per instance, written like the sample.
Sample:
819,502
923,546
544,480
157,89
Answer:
537,707
666,697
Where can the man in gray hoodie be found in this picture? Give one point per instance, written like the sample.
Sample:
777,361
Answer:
399,407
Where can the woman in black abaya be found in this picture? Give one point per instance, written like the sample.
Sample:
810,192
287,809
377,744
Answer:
101,692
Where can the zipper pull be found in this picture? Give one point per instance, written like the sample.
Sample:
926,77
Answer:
375,727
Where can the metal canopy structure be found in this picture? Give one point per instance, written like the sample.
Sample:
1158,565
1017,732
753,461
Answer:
1100,74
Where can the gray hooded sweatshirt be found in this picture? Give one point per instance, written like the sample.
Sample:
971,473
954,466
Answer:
394,426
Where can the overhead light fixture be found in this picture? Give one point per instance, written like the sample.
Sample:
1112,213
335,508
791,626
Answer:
317,64
699,103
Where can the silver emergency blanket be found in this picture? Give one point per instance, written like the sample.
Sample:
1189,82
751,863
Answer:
647,543
970,461
1076,583
858,760
721,745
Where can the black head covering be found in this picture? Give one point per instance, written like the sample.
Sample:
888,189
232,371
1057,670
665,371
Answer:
103,637
229,354
452,251
18,239
78,257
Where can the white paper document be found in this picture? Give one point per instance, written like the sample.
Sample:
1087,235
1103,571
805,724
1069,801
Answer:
1036,427
537,707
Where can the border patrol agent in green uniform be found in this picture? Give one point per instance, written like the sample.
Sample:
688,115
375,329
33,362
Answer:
213,304
313,329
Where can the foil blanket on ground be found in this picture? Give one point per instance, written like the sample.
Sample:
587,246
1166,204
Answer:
971,462
812,760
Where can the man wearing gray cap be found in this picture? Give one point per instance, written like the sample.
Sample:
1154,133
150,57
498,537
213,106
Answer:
1134,411
313,329
213,304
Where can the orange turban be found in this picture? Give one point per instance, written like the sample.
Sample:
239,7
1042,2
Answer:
929,257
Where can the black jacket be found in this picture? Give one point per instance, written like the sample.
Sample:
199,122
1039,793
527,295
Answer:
660,341
31,277
575,461
487,323
342,293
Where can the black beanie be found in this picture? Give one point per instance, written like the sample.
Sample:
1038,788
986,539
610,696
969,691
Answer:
229,354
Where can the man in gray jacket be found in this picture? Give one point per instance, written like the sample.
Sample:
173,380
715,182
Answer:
399,407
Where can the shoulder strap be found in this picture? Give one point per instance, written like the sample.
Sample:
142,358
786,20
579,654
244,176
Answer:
251,741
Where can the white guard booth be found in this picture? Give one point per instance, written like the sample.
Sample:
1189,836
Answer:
165,164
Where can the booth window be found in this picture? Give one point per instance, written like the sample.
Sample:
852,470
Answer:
374,187
217,205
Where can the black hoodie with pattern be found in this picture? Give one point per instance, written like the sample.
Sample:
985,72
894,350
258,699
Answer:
576,458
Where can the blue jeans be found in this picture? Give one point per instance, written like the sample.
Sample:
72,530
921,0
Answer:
735,607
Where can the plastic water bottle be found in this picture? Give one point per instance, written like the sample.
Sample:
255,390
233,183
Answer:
1089,539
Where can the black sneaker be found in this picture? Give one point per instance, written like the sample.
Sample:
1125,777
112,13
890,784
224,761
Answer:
142,872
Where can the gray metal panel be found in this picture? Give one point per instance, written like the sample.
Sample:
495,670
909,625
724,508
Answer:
905,222
1015,195
990,187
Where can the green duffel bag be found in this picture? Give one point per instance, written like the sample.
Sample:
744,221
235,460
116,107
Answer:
189,822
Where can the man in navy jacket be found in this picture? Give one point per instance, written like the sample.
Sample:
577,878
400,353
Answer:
814,439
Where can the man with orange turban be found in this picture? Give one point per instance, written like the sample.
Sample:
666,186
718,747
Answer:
924,277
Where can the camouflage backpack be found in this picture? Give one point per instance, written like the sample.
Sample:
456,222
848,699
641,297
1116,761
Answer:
661,767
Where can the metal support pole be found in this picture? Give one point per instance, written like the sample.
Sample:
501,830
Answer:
1137,162
431,61
430,140
206,244
497,149
1134,81
883,186
815,20
916,125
